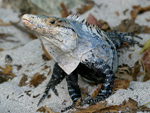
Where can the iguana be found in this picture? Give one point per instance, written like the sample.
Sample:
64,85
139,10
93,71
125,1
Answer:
78,48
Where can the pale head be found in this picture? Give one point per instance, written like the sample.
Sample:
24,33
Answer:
55,30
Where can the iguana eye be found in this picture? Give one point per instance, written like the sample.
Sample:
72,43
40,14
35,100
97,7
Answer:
52,22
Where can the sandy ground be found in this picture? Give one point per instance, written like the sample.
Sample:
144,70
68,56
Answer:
13,98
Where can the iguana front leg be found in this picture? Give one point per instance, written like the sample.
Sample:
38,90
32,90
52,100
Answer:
73,89
57,76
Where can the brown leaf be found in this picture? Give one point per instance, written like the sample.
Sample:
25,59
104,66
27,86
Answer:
110,109
41,109
129,26
146,60
120,84
92,20
147,76
37,79
93,108
124,72
136,70
47,109
1,49
45,67
117,13
34,96
85,7
131,104
23,81
138,10
124,12
64,12
95,93
27,92
45,58
84,92
105,25
148,20
130,56
6,70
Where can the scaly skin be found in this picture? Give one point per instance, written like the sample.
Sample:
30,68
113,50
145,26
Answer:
78,48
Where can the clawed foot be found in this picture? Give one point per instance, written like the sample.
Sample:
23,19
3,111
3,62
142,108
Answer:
67,108
89,101
92,101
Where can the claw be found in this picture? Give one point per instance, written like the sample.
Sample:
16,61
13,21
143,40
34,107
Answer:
67,108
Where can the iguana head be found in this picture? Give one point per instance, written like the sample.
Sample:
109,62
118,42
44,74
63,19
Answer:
55,30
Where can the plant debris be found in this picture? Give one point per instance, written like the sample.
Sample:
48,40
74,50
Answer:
44,109
124,72
45,67
95,93
92,20
128,26
64,12
121,84
37,79
34,96
146,45
136,70
27,92
7,71
23,81
1,49
102,108
138,10
87,6
146,60
147,76
84,92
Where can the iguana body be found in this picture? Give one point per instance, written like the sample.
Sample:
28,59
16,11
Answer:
78,48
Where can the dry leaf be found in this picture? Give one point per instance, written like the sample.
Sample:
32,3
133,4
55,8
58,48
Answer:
44,109
34,96
133,14
84,92
105,25
136,70
6,70
117,13
64,12
110,109
45,58
95,93
120,84
45,67
93,108
124,72
146,60
37,79
129,26
92,20
23,81
138,10
85,7
130,56
147,76
124,12
131,104
148,20
27,92
1,49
